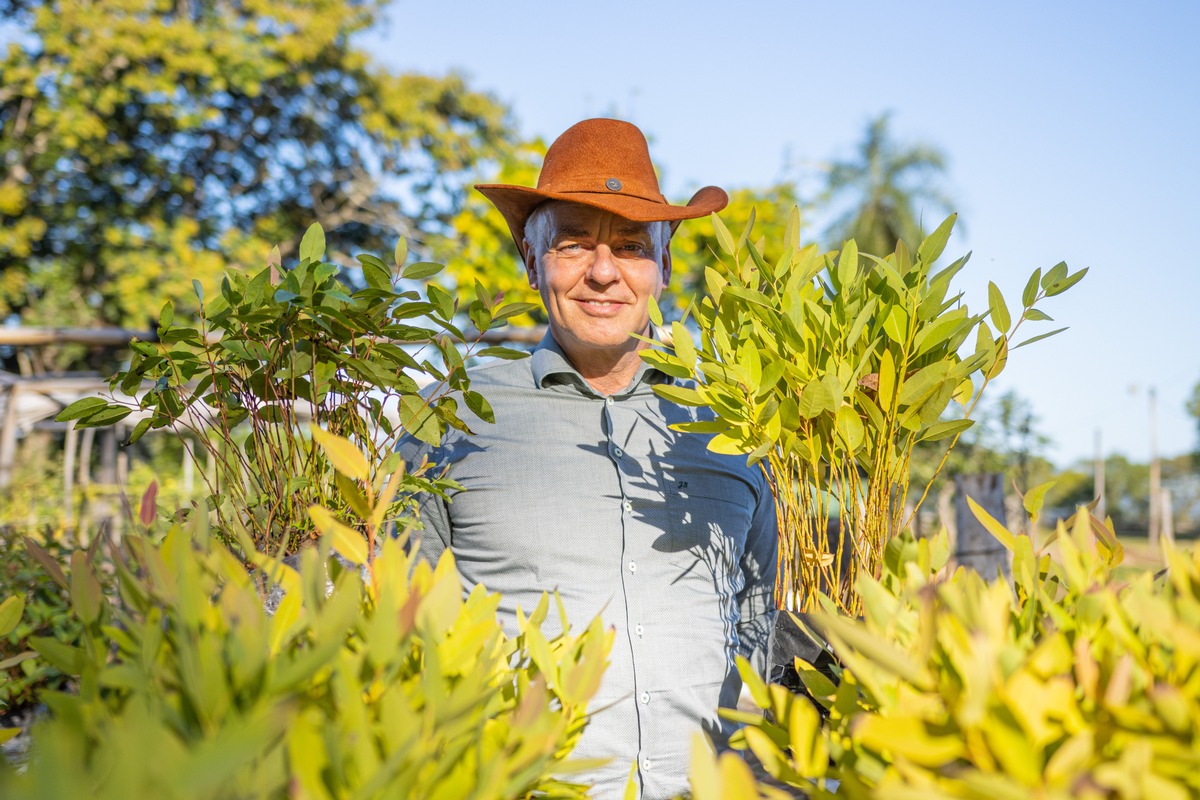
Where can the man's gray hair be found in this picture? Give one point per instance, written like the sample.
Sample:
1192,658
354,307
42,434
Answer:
539,229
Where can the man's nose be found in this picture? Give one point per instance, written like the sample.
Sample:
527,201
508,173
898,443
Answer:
603,269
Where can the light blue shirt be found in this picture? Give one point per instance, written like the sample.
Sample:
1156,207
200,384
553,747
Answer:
596,498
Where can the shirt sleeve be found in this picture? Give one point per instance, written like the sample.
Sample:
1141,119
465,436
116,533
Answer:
756,600
433,537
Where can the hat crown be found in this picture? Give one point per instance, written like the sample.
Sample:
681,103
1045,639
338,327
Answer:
597,155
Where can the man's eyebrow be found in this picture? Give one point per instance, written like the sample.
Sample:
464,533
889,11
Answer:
574,233
634,230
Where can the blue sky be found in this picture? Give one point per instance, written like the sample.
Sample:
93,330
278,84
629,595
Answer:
1071,130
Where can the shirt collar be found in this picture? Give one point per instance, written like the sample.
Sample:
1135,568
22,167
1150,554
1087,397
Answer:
551,368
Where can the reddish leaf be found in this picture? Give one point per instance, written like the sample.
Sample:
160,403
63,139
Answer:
149,506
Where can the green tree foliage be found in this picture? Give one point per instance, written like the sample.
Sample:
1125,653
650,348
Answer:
284,347
147,143
887,188
478,247
1193,408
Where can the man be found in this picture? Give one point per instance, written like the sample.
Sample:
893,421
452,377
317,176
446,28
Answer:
581,487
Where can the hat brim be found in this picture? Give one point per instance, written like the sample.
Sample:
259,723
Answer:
516,203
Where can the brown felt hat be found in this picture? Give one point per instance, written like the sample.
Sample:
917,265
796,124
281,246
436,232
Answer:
603,163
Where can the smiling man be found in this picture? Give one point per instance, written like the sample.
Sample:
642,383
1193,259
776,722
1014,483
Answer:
581,486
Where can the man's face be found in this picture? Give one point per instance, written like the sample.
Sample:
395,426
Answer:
596,279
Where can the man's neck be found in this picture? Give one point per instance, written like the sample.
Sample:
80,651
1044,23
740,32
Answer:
605,371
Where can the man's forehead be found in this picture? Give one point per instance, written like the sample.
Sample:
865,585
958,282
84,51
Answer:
578,218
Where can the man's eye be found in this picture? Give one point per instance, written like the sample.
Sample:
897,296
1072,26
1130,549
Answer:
570,247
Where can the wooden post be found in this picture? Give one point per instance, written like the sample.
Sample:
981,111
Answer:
8,437
976,548
1155,477
69,474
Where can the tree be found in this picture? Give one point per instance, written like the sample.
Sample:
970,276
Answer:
1193,408
147,143
888,189
695,242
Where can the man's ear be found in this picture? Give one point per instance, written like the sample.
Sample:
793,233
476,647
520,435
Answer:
530,264
666,272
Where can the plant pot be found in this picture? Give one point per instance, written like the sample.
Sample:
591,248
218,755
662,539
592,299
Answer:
791,638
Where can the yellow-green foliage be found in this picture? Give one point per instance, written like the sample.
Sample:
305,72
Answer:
829,368
1077,679
10,614
394,686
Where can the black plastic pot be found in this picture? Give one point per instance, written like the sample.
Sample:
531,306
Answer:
789,640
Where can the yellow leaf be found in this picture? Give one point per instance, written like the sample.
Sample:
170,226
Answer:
344,456
909,738
348,542
994,527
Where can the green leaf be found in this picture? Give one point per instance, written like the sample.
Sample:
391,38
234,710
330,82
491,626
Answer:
887,380
198,289
420,270
685,348
140,430
1035,315
1054,274
896,325
312,246
66,658
682,395
10,613
1058,287
376,275
167,315
401,251
105,416
850,428
935,242
816,398
507,353
81,408
924,382
654,311
1029,296
999,308
47,561
1039,337
479,405
85,589
944,430
724,237
1036,496
847,266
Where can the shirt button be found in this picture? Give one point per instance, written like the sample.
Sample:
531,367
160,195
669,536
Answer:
608,401
617,452
628,506
646,764
645,698
639,630
633,566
